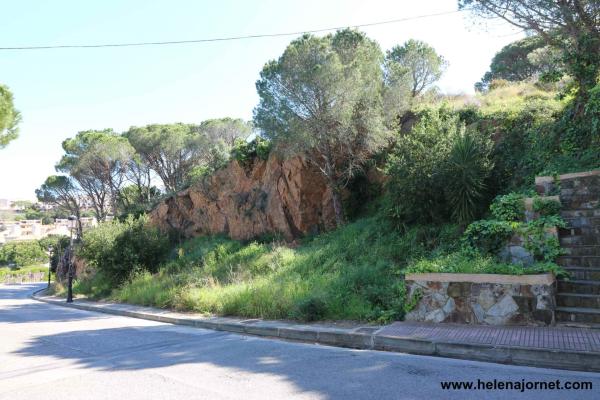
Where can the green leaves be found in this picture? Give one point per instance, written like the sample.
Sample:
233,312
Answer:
9,117
509,207
469,166
438,171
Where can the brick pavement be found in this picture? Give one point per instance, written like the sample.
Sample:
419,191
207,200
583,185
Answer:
549,338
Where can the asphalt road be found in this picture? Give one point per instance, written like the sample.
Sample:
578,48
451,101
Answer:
50,352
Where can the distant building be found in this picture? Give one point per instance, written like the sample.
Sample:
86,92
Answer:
33,229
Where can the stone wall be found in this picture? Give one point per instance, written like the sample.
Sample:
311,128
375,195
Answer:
481,299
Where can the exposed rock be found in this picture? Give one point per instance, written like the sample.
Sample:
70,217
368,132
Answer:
289,198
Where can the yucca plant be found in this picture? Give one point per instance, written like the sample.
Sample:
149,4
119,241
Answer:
469,165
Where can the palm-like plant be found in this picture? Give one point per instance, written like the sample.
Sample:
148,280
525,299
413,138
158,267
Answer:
469,166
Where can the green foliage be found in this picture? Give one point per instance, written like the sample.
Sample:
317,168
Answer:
462,263
570,27
245,152
327,277
546,207
437,170
520,60
488,236
22,254
322,98
120,249
469,165
9,117
18,272
419,64
97,161
509,207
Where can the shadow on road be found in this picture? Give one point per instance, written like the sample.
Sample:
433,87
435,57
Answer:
310,368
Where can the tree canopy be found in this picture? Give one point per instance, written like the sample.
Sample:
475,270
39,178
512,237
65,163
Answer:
323,98
62,191
573,26
98,161
9,117
417,63
520,60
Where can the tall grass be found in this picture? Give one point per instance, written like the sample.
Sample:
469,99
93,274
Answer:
352,273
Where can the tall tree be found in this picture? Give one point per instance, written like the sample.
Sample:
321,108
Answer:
172,151
98,161
221,135
9,117
570,25
514,62
418,63
62,191
322,98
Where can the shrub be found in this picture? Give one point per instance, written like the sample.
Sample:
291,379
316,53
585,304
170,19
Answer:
546,207
119,249
469,166
509,207
462,263
311,308
488,236
437,167
22,253
244,152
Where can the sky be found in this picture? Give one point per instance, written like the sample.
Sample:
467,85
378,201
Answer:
61,92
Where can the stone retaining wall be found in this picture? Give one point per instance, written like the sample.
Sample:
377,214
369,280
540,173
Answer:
482,299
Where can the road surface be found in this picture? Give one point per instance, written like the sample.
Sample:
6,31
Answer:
50,352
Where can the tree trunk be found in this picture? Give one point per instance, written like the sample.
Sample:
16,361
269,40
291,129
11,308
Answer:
338,209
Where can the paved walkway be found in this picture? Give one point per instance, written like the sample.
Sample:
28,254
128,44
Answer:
549,338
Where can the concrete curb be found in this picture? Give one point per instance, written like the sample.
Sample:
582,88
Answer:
351,338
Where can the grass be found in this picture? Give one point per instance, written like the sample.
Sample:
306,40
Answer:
460,263
9,272
352,273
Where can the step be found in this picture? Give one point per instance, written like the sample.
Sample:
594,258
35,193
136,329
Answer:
579,201
579,240
581,250
584,273
574,213
585,231
578,325
578,314
578,300
579,286
579,261
582,222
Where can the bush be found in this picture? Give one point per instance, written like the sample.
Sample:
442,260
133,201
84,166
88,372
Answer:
120,249
488,236
462,263
546,207
469,166
244,152
437,166
22,254
509,207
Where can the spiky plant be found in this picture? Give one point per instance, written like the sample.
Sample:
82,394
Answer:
469,165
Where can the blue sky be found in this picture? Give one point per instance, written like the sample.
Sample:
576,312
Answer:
60,92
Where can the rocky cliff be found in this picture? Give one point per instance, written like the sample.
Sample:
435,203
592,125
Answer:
288,197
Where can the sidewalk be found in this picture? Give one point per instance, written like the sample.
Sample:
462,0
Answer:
549,347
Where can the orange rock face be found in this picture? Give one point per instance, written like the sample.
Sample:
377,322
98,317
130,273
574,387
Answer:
289,198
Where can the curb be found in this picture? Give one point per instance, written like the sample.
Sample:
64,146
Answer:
349,338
